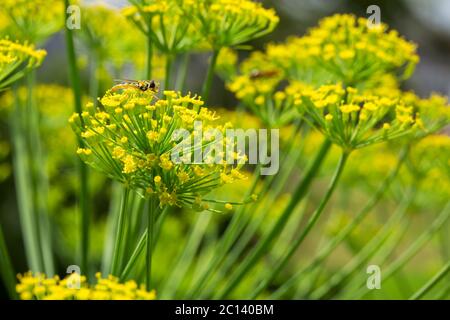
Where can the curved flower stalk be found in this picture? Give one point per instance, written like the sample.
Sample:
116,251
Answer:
345,48
16,60
353,120
32,21
75,287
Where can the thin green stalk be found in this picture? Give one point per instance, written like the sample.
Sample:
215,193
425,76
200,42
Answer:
93,79
383,254
121,228
311,223
182,74
227,239
113,213
265,243
186,256
241,219
149,66
168,72
413,249
7,270
39,178
431,283
150,227
260,212
22,176
210,75
83,195
141,244
369,250
348,229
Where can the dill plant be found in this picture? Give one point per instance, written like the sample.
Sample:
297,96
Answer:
334,93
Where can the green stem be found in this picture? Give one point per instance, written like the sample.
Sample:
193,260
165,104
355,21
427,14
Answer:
150,227
340,278
93,79
121,227
430,284
148,67
242,219
186,257
413,249
169,61
210,75
141,244
113,213
39,178
22,177
83,195
226,240
265,243
260,210
7,270
348,229
311,223
182,74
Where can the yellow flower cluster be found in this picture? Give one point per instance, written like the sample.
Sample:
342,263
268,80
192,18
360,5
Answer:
429,169
101,28
226,63
75,287
181,25
354,119
226,23
275,108
16,59
434,111
130,138
33,20
347,49
167,24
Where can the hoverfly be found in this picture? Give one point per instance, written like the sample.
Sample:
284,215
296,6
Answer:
260,74
142,85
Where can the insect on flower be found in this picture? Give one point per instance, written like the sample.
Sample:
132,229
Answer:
142,85
259,74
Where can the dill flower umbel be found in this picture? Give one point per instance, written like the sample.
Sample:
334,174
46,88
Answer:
227,23
33,20
352,119
101,35
275,108
16,60
130,138
75,287
344,48
166,23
